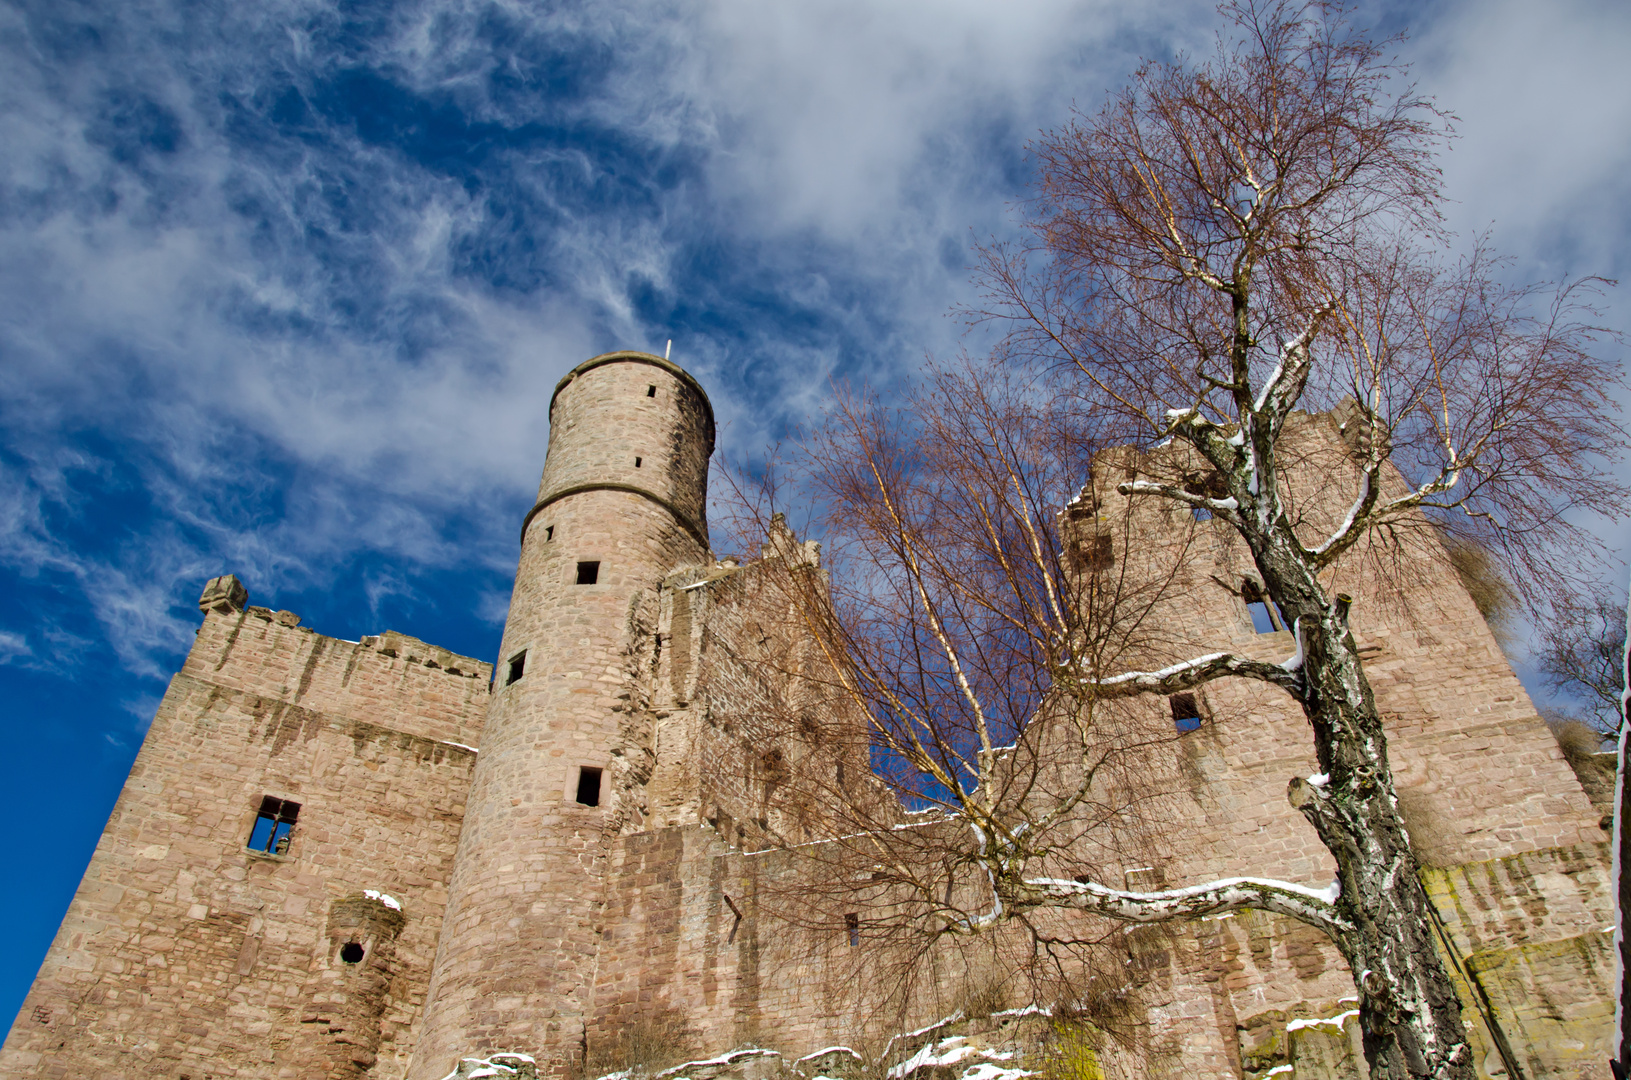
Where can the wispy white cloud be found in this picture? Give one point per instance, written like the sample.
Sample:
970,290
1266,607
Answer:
306,279
1543,98
13,646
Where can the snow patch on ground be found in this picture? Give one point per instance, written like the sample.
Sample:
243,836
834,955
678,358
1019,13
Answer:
723,1059
832,1050
926,1029
1335,1021
988,1071
957,1049
524,1068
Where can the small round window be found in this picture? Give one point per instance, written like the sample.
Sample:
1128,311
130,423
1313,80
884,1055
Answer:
351,952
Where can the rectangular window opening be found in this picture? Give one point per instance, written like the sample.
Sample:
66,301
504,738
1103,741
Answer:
589,786
852,926
1262,617
1265,616
636,463
1095,553
549,533
273,825
1186,716
517,668
588,573
651,391
1145,879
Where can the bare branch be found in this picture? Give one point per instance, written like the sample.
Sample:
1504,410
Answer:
1198,672
1317,908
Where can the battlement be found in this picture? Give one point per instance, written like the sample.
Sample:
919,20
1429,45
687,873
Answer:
388,679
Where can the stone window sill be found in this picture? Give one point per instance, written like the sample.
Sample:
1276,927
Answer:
266,855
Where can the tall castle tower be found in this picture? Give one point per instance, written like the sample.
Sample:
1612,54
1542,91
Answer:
621,505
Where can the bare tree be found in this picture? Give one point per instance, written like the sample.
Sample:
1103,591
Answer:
961,587
1221,245
1582,649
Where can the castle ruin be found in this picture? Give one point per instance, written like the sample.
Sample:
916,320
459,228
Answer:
372,859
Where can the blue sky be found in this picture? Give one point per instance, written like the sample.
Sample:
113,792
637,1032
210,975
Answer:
285,286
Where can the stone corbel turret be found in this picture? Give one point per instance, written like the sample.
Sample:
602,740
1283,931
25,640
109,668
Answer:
348,992
225,594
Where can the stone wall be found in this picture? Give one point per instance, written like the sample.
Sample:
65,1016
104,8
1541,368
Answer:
619,509
186,954
697,906
1481,781
1479,775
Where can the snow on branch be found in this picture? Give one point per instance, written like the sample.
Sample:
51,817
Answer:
1365,514
1285,385
1221,507
1353,523
1189,674
1316,907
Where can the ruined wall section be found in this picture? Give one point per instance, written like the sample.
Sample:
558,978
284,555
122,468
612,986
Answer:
697,942
1497,817
389,679
1479,774
725,912
698,954
731,713
184,953
782,750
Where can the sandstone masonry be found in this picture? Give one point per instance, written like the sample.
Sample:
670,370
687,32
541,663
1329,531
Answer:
313,872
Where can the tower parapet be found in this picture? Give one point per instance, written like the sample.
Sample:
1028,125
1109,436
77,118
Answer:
620,507
630,421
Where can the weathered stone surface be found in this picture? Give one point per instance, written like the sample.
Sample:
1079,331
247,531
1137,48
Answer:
186,953
666,922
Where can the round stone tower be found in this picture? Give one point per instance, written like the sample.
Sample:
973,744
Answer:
621,506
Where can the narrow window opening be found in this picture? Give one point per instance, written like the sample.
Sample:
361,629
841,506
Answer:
518,668
588,573
651,391
1094,553
351,952
589,786
549,533
1186,716
636,463
852,926
1265,617
273,825
1145,879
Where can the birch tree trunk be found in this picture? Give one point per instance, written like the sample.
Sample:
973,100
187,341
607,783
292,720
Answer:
1408,1003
